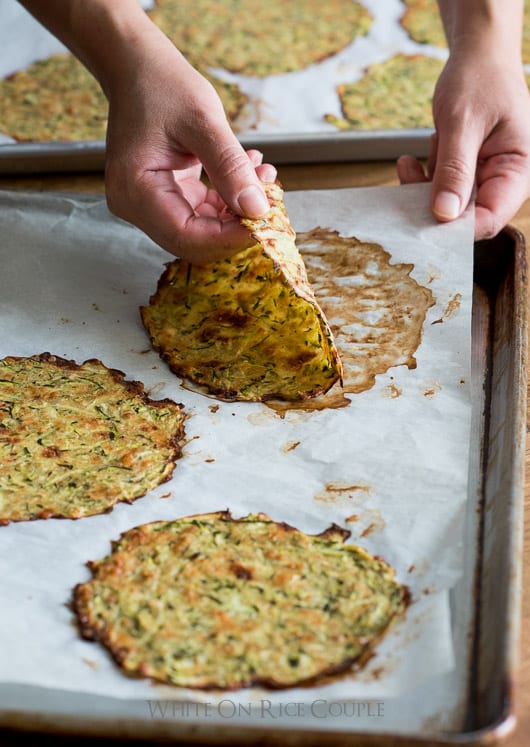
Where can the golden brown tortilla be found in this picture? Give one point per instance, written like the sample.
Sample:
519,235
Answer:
393,94
260,38
247,327
210,601
75,439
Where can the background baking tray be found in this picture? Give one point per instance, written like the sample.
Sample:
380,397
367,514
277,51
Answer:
28,158
284,119
499,359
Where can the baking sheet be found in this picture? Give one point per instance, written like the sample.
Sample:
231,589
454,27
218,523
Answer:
73,278
499,364
285,114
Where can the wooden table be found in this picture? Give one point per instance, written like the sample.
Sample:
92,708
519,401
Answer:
327,176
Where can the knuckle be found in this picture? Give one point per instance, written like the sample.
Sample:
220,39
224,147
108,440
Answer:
455,170
232,160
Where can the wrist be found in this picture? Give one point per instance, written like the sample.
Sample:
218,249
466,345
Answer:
110,38
484,30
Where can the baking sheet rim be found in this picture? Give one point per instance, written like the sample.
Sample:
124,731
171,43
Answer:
30,721
89,155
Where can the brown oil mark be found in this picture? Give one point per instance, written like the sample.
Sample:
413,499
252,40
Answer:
214,408
451,310
432,390
209,460
90,663
453,307
375,521
166,495
336,493
333,400
290,446
369,529
392,391
375,309
353,518
434,273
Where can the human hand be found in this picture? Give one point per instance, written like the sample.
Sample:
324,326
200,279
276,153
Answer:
481,142
167,123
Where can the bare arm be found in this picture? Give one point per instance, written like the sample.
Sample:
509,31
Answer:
481,113
166,122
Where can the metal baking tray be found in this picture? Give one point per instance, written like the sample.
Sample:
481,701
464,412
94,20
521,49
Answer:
499,359
284,135
322,147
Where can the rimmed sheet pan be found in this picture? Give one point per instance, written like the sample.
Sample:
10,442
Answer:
496,471
30,158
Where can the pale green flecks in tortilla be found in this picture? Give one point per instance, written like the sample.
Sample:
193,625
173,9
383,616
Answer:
393,94
259,38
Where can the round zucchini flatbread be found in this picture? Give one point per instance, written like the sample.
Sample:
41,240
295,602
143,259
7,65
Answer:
210,601
77,439
259,38
58,99
394,94
53,99
423,22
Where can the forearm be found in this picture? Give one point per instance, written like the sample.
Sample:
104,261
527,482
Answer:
490,28
108,36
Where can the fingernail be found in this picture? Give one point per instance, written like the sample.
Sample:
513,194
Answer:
447,205
253,202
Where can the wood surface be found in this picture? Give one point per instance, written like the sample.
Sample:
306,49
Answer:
327,176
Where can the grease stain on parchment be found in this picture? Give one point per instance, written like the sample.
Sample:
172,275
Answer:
376,311
451,310
355,497
432,390
290,446
339,493
392,391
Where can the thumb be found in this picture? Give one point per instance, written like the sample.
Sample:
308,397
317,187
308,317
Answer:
453,175
232,173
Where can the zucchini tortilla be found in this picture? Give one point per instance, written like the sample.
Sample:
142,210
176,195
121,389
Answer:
247,327
77,439
210,601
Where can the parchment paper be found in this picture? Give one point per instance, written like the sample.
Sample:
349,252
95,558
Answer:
71,282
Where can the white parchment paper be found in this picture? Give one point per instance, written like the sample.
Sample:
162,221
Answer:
72,278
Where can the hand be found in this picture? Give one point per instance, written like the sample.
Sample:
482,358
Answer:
481,142
166,122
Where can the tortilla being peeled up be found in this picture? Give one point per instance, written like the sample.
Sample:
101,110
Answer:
247,327
210,601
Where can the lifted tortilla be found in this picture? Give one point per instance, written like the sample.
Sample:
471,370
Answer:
248,327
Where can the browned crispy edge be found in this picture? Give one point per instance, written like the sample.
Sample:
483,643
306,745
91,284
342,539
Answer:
134,388
93,631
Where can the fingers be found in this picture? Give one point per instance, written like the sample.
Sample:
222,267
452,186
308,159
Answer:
503,185
185,219
454,163
233,172
410,170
